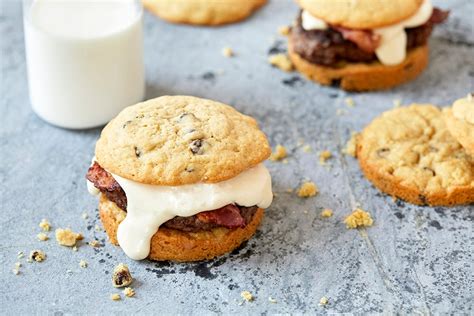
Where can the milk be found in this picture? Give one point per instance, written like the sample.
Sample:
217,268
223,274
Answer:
85,59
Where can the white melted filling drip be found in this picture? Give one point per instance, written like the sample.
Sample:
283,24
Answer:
392,49
149,206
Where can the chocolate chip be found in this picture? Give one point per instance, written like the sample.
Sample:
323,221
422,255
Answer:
195,146
126,123
138,152
423,199
121,276
383,152
430,170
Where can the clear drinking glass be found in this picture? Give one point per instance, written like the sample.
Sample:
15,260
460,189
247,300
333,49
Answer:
84,59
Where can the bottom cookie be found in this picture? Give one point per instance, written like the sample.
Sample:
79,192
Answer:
175,245
409,153
364,76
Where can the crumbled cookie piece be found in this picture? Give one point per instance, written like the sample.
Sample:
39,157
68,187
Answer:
129,292
42,236
323,301
37,255
16,270
66,237
246,295
83,264
308,189
351,145
85,215
284,30
94,243
327,212
115,297
227,52
324,156
349,102
121,276
97,228
74,248
307,148
272,300
281,61
358,218
20,255
45,225
278,154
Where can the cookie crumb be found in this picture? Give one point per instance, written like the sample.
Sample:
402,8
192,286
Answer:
16,271
85,215
324,156
358,218
97,228
351,145
349,102
95,243
115,297
323,301
340,112
279,153
308,189
307,148
45,225
227,52
284,30
74,248
66,237
397,103
327,212
42,237
129,292
281,61
246,295
20,255
121,276
83,264
289,190
272,300
37,255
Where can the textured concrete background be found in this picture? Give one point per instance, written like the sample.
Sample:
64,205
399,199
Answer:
415,260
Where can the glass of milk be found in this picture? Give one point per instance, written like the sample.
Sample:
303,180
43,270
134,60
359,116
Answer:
84,58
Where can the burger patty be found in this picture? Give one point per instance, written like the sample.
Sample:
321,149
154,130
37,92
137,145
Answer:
229,216
330,48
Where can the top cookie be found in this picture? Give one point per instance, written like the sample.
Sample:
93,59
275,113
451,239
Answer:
361,14
409,153
460,122
176,140
203,12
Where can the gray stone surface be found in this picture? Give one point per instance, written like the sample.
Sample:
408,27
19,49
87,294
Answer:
415,260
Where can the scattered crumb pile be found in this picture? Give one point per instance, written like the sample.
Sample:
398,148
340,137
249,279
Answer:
308,189
281,61
246,295
66,237
326,212
358,218
279,153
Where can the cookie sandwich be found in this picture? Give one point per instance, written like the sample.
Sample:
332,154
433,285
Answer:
180,178
409,153
203,12
460,122
362,44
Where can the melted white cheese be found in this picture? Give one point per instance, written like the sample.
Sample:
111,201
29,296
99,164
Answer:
393,41
310,22
149,206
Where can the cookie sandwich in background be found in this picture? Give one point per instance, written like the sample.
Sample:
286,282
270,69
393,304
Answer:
180,178
363,44
460,122
409,153
203,12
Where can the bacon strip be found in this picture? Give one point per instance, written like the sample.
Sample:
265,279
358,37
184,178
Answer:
366,40
102,179
228,216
